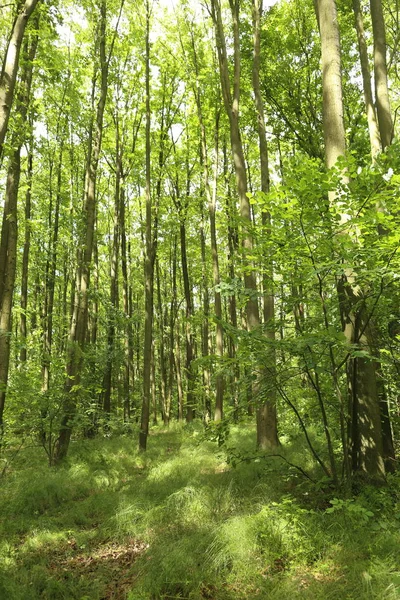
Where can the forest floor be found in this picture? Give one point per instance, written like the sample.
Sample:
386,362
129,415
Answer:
191,520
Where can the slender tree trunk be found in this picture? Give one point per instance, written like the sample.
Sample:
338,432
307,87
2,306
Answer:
178,371
381,78
150,254
161,349
172,337
78,328
205,332
23,324
51,265
188,324
153,383
232,252
267,431
9,229
212,201
129,378
114,269
374,136
231,102
10,64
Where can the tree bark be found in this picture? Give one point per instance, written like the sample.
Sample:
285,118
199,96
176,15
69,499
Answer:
10,64
23,323
381,78
365,434
9,229
150,255
231,96
267,431
374,136
78,326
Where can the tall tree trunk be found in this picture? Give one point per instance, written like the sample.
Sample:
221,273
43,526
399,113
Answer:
231,96
267,431
23,323
161,350
188,325
114,269
129,378
374,137
51,265
212,201
10,64
380,70
365,432
150,254
78,328
178,371
232,252
172,320
9,229
205,330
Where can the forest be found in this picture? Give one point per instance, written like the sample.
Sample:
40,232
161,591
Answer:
199,299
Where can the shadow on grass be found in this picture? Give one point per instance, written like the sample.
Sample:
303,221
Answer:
180,522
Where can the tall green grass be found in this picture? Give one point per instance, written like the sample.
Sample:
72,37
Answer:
182,522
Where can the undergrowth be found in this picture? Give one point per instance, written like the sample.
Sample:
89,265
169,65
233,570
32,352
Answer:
187,521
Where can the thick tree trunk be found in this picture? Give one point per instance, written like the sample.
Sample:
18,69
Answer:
365,432
10,231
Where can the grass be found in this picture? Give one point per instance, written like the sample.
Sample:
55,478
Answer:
182,522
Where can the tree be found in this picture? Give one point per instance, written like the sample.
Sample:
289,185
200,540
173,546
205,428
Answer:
78,327
149,260
381,77
365,434
9,229
10,64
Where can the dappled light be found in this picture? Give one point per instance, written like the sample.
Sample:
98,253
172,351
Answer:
115,524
